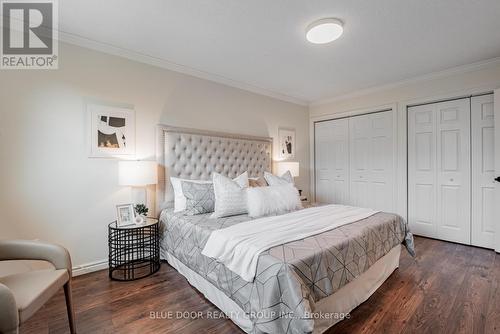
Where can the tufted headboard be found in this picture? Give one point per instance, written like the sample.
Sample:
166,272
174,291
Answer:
196,154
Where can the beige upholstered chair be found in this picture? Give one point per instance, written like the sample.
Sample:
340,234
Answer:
31,272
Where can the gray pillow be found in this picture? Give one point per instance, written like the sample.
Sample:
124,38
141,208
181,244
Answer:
275,180
200,197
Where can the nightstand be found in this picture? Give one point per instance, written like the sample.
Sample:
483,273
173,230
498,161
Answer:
134,250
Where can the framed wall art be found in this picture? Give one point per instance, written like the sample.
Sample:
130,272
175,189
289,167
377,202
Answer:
112,131
286,143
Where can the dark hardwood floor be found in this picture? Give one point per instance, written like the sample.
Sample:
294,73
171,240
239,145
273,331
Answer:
448,288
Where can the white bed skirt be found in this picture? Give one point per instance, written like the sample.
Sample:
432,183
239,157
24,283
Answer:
341,302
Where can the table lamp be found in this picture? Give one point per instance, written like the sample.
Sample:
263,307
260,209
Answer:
138,175
284,166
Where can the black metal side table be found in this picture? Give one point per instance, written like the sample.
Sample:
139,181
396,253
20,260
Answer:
134,250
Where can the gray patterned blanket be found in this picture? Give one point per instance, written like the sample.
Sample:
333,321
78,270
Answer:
290,277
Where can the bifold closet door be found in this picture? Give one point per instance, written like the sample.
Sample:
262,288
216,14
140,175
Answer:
354,161
332,161
483,171
372,161
439,170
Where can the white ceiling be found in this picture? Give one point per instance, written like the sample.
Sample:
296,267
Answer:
261,43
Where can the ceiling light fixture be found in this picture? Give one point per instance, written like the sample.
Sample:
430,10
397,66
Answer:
324,31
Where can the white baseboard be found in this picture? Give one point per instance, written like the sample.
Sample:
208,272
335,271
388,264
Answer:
90,267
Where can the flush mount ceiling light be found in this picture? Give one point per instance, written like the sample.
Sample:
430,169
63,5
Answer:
324,31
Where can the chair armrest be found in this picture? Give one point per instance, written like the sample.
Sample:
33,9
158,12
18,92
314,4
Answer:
9,316
35,250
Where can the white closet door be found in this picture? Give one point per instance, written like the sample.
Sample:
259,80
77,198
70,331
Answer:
497,169
483,171
360,156
372,161
439,170
332,161
422,197
323,157
453,164
382,162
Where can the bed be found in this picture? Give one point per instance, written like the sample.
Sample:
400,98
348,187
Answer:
302,286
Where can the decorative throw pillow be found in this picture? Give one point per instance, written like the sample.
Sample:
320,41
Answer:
179,198
242,180
257,182
274,180
200,197
230,195
272,200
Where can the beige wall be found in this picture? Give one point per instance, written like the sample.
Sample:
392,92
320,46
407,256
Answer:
51,190
474,80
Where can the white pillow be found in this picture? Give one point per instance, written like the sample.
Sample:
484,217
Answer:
274,180
241,179
263,201
230,195
180,199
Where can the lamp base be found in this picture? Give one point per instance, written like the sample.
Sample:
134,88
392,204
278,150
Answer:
139,195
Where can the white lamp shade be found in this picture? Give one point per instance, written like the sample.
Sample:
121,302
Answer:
284,166
137,173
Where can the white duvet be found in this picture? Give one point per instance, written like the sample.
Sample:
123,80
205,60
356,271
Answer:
238,247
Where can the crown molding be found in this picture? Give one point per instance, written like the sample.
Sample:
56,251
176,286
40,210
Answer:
165,64
426,77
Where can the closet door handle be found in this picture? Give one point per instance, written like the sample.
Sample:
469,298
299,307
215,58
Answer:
497,179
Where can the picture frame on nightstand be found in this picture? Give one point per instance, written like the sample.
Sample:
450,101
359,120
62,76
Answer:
125,215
